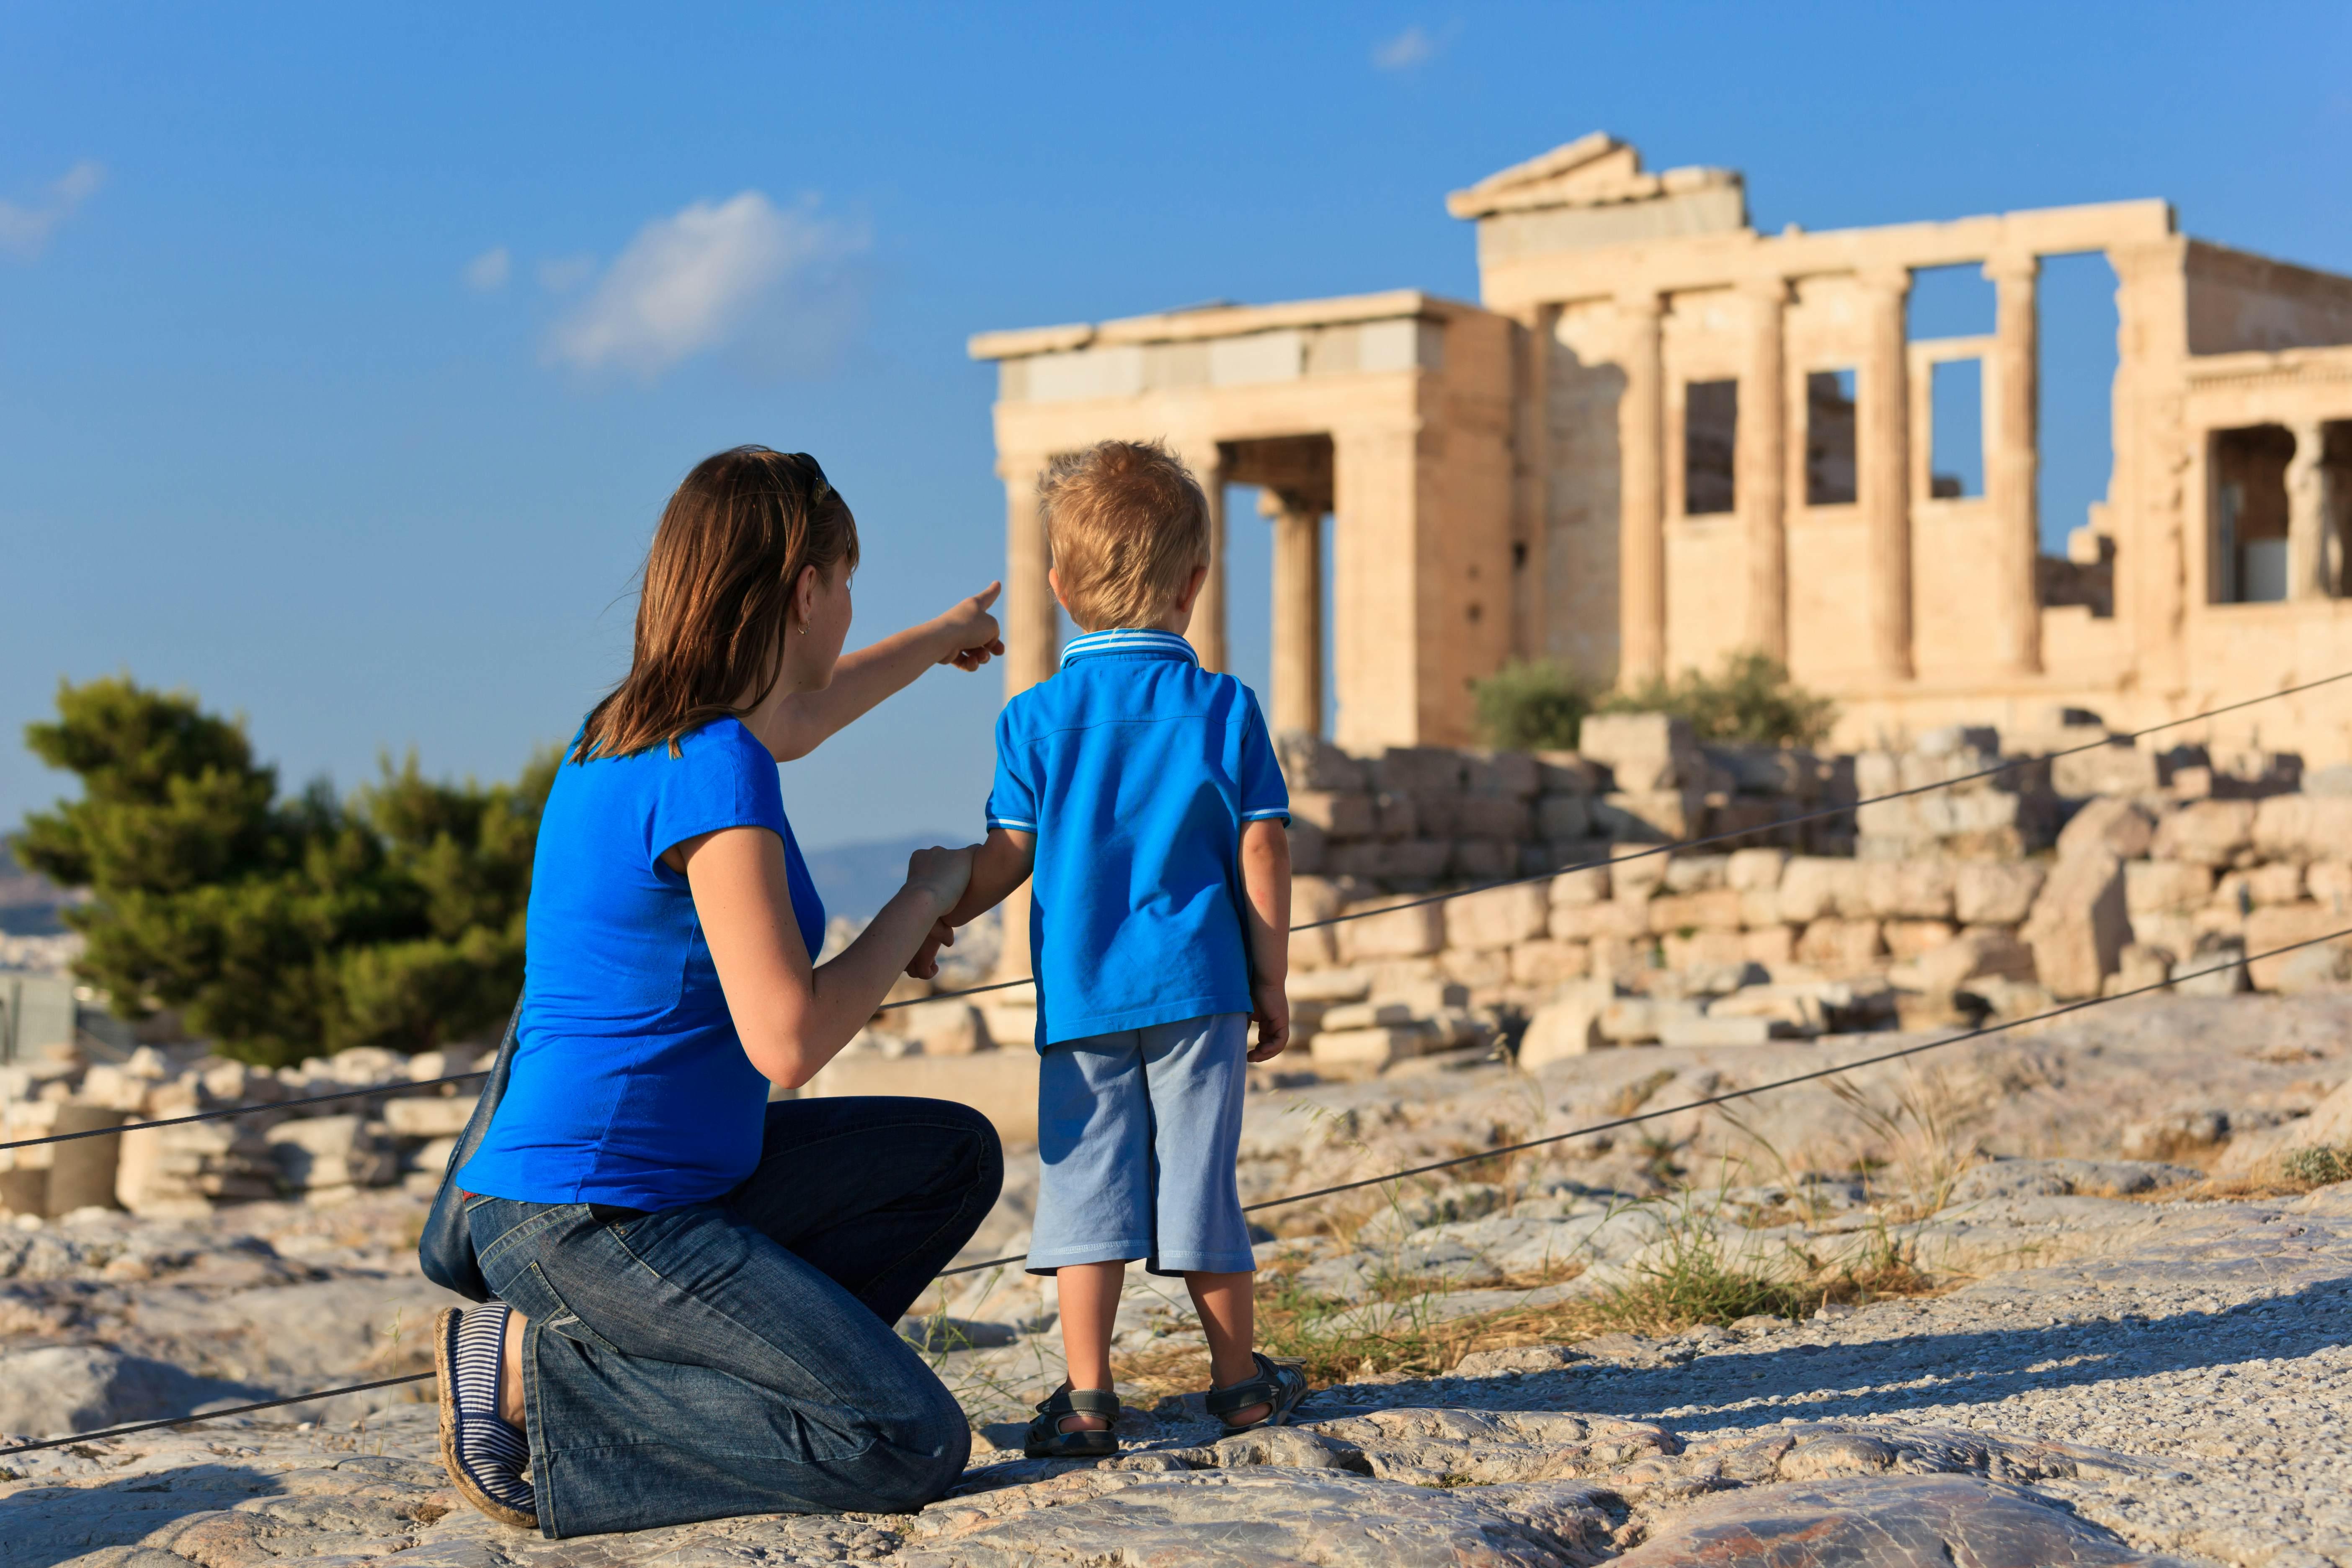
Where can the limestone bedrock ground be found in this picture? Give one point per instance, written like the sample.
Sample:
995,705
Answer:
2148,1375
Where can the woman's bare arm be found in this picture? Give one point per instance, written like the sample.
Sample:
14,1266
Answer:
797,723
794,1016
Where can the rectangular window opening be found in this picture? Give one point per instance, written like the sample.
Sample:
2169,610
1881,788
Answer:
1710,438
2248,502
1956,429
1829,439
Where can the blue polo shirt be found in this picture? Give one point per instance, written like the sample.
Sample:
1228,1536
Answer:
630,1086
1135,769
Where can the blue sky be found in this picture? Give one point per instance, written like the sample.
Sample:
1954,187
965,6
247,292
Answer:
346,356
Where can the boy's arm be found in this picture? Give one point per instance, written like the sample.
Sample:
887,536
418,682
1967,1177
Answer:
998,866
1265,882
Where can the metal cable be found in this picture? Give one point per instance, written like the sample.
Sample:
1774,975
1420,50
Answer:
1700,842
1345,1186
213,1415
1676,847
1858,1063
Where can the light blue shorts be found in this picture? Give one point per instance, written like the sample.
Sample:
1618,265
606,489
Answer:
1137,1132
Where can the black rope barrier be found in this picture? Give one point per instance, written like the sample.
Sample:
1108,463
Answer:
1496,1153
1676,847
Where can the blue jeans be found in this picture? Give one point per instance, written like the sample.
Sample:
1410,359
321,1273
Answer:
738,1356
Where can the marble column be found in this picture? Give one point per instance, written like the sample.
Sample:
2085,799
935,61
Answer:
1884,472
1761,468
2308,565
1298,610
1031,619
1640,489
2014,464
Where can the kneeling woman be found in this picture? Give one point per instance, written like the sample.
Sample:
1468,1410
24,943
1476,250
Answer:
697,1288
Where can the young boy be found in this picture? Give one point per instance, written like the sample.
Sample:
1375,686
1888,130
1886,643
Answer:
1139,795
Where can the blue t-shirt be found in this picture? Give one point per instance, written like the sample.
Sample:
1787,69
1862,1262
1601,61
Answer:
1135,769
630,1086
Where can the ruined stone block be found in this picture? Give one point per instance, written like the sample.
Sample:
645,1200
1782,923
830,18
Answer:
1651,817
1568,1026
1637,872
1394,816
2275,926
2281,882
1548,962
1342,816
1420,770
1816,886
1625,918
1907,890
1494,816
1643,751
1512,774
1310,848
2116,768
2329,882
1728,1031
2208,832
1755,870
2138,967
430,1118
1769,945
1717,909
2166,887
1496,918
1911,938
1411,932
1311,762
1483,859
1588,885
2079,924
1636,1020
1569,773
1986,951
1995,892
1694,873
2116,827
1563,816
1760,909
1839,947
1366,1050
1704,950
2302,828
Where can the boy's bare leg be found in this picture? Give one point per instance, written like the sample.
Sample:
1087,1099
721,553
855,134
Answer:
1228,1307
510,1375
1089,1299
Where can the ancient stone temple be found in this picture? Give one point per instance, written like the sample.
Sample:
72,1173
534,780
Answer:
1664,437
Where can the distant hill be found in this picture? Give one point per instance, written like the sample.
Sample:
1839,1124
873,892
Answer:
29,904
855,879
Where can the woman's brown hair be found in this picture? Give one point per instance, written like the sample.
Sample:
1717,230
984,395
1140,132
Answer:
719,582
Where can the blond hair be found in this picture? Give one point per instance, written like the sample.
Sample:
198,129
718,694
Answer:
1127,525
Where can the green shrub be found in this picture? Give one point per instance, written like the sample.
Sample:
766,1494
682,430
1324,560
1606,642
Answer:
1751,698
1531,707
2320,1166
280,928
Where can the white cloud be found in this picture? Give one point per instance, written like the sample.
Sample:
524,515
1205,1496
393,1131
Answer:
488,271
24,230
1416,46
768,283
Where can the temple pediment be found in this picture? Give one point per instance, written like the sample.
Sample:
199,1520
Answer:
1593,171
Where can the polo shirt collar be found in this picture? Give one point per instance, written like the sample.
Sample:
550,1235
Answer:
1142,643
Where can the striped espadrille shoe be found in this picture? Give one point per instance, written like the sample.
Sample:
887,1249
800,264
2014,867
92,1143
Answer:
485,1456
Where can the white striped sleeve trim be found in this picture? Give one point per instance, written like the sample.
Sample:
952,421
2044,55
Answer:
1281,811
1012,822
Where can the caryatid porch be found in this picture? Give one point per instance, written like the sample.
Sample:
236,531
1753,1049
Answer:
1390,410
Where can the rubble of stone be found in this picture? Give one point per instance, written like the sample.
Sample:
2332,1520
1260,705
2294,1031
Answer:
323,1154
